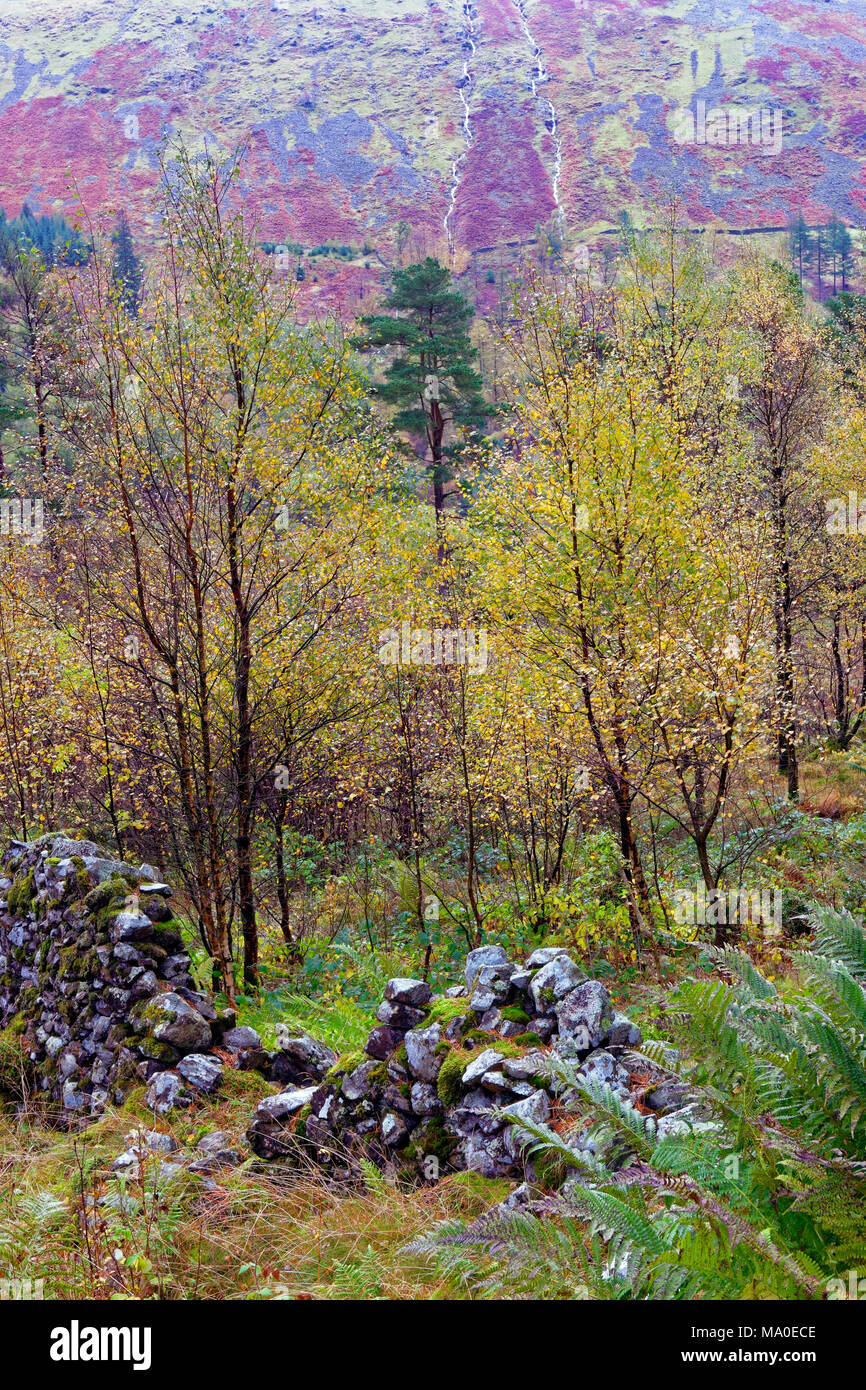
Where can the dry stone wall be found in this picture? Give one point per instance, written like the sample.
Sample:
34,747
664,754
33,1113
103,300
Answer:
443,1083
96,994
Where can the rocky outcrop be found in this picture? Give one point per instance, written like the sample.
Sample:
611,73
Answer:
443,1083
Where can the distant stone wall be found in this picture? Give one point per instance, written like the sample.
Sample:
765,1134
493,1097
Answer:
441,1081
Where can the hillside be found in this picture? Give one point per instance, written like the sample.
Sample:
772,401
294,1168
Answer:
440,125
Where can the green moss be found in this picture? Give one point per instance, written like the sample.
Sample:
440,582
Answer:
167,934
348,1062
431,1137
509,1047
135,1104
443,1010
246,1085
158,1051
151,950
82,877
54,859
104,893
527,1040
514,1015
76,964
448,1082
21,894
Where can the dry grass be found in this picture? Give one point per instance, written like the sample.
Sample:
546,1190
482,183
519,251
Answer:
260,1232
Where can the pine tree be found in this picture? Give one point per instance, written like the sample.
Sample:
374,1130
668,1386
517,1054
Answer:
127,267
432,381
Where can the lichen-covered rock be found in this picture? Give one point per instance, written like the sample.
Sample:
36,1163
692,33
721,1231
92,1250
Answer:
553,981
416,993
166,1091
173,1020
270,1134
299,1059
422,1052
239,1039
584,1018
202,1071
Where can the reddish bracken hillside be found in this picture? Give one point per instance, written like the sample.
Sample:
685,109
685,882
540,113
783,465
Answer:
437,125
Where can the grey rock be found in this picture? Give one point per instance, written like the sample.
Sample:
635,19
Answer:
489,1157
213,1142
688,1120
72,1097
154,889
624,1033
166,1092
399,1015
153,1140
485,1061
180,1024
238,1038
413,992
219,1158
481,956
421,1045
543,956
483,999
520,1197
100,869
584,1017
395,1131
424,1099
132,926
355,1082
604,1069
383,1041
68,1065
393,1098
527,1066
669,1095
490,1022
535,1109
512,1029
496,1080
553,981
283,1106
201,1070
